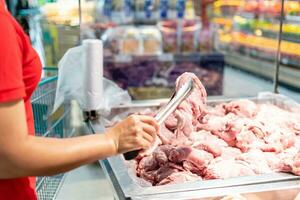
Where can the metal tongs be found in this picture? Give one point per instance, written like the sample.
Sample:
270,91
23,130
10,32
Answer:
169,108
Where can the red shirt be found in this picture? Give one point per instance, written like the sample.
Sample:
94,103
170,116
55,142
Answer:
20,70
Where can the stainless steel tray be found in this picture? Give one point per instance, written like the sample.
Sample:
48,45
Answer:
126,185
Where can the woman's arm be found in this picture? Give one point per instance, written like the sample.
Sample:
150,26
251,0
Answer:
24,155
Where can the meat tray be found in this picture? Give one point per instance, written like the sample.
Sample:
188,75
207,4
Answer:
126,185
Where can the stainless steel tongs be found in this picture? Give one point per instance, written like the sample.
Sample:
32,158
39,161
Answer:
175,100
169,108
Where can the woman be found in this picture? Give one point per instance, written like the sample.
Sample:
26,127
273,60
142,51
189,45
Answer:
21,153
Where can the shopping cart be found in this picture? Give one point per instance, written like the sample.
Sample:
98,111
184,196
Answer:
50,125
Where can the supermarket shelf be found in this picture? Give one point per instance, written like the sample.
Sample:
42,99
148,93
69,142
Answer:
288,76
264,44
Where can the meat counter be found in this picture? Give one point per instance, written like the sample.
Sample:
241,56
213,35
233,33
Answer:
265,186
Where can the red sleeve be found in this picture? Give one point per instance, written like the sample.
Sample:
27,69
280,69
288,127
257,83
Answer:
11,72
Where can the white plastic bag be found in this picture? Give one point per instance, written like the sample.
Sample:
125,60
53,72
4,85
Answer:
71,84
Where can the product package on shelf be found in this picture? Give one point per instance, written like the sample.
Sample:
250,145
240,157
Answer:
151,77
152,40
189,36
130,40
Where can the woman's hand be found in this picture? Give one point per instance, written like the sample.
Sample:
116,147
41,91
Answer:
133,133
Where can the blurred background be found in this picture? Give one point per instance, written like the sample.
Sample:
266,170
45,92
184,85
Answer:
230,44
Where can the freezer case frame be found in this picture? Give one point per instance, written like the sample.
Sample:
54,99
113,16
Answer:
126,187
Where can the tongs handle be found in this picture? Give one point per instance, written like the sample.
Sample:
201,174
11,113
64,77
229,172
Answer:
162,115
131,154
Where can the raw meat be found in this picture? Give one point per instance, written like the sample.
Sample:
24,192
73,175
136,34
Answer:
230,168
196,101
256,161
206,141
162,153
179,177
242,107
238,138
230,153
199,158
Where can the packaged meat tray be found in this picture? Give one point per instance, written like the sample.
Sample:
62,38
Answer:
242,146
149,77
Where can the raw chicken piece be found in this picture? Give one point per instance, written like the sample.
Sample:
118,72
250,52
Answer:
179,177
221,126
150,150
166,170
230,153
199,158
162,153
147,168
256,160
196,101
291,161
296,165
184,126
164,137
171,122
165,134
296,128
148,163
149,176
189,111
242,107
204,140
224,169
213,123
273,161
184,119
246,140
188,166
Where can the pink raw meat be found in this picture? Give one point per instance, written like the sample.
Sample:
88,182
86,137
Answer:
179,177
195,156
242,107
171,122
161,154
148,163
189,111
290,159
274,161
246,140
150,150
204,140
166,170
196,101
230,153
224,169
239,138
188,166
256,160
165,134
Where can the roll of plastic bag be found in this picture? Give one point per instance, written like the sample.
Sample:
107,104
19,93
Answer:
80,78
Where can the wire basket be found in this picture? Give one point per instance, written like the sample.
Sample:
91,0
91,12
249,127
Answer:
50,125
